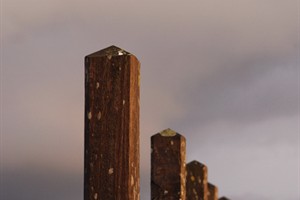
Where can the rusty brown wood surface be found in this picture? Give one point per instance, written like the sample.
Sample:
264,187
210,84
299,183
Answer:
196,181
111,157
168,173
212,192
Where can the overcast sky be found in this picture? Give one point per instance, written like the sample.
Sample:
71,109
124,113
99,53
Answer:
225,74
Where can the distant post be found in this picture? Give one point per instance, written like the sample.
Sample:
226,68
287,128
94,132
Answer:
224,198
196,181
212,192
168,173
111,157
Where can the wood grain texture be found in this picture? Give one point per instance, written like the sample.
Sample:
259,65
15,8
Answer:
111,157
212,192
196,181
168,173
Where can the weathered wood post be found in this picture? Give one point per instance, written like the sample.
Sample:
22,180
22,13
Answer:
196,181
111,157
168,173
212,192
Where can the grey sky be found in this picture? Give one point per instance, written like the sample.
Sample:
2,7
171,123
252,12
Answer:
225,74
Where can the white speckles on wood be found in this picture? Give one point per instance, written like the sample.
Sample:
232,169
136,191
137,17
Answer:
111,171
90,115
99,115
132,180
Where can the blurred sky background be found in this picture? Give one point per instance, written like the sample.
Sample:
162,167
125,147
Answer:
225,74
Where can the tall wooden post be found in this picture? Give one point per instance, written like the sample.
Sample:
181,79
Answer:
111,157
168,174
196,181
212,192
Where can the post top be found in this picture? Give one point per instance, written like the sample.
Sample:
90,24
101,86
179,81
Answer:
195,162
109,52
224,198
168,133
212,186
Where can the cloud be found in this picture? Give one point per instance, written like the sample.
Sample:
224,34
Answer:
250,93
33,182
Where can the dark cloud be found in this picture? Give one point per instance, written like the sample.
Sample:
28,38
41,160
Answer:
30,182
254,196
247,94
249,197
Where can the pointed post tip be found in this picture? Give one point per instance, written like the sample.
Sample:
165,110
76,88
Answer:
168,133
110,52
195,162
224,198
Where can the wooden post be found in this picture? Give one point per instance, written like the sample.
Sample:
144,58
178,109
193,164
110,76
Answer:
212,192
224,198
196,181
168,174
111,157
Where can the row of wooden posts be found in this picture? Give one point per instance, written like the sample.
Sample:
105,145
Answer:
171,177
111,157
